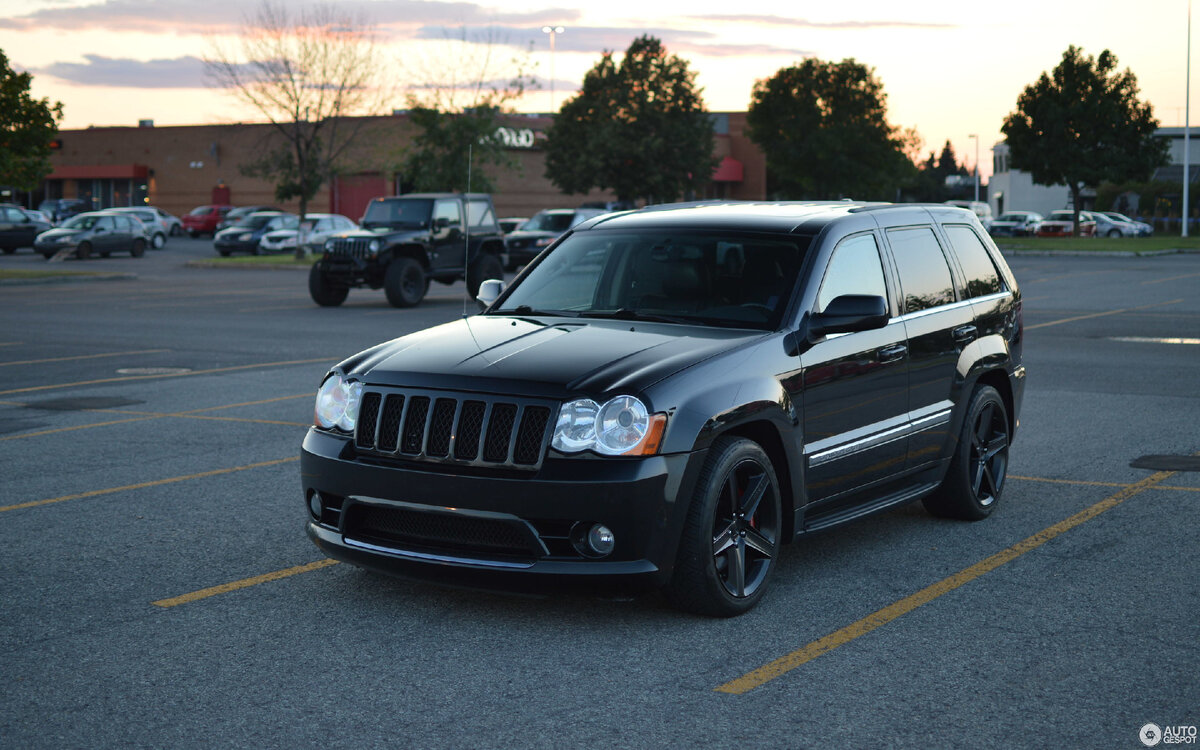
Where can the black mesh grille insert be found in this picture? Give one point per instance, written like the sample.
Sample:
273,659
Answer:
414,425
499,432
445,532
368,415
470,426
441,425
389,425
529,437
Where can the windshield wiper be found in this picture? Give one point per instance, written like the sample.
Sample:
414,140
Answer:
527,310
626,313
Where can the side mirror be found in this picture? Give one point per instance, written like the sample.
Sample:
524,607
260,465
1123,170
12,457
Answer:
489,292
441,223
849,313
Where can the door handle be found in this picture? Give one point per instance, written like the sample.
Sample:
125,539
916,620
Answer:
893,353
964,334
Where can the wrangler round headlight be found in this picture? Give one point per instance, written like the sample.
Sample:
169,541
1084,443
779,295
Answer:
328,244
619,427
337,403
374,246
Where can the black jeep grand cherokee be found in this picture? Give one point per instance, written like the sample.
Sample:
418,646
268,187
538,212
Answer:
668,396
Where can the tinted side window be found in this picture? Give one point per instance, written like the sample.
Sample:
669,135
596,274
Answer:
480,214
854,269
447,210
924,273
980,271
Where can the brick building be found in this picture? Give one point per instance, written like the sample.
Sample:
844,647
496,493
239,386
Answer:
180,167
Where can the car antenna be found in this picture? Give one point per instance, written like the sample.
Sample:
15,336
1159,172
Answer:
467,235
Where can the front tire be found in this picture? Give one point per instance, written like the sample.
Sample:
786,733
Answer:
84,251
158,241
732,534
324,293
405,282
486,266
138,249
1114,233
974,482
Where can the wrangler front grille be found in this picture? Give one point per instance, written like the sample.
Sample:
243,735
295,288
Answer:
352,248
453,428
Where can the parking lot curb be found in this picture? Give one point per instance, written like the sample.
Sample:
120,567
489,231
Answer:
1097,254
69,279
243,266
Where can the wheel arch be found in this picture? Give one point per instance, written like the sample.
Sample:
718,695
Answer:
416,252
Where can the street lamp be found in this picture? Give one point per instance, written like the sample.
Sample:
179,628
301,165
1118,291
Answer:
976,137
553,31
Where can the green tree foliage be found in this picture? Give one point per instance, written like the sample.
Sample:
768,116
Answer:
27,126
637,128
451,147
823,128
1082,124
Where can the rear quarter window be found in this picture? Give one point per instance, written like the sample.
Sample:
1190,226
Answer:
980,272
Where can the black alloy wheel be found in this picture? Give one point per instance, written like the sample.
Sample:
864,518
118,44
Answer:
733,532
974,482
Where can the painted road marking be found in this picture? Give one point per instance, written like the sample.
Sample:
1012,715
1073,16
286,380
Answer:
168,375
84,356
801,656
1099,314
225,588
1171,278
1150,340
144,485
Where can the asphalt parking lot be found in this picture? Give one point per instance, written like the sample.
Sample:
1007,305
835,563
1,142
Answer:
157,588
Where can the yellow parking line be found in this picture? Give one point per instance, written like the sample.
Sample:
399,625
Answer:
83,356
1101,314
1171,278
225,588
167,375
785,664
1079,482
144,485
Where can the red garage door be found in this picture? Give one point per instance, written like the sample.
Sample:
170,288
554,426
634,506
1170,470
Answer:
351,193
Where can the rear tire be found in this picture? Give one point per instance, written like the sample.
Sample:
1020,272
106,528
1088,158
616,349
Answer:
486,266
975,480
732,535
138,249
322,291
405,282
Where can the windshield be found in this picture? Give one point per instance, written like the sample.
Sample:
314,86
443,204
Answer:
544,221
738,281
200,211
406,213
82,221
255,221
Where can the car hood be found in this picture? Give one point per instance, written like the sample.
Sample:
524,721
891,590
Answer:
547,357
61,232
381,233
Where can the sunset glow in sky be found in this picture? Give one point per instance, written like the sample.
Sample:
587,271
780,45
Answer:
950,68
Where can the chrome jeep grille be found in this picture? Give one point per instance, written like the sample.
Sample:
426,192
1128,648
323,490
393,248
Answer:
453,428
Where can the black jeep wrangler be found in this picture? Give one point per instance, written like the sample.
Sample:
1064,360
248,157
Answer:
406,242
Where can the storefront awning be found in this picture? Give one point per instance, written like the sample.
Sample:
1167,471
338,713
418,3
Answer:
100,172
729,170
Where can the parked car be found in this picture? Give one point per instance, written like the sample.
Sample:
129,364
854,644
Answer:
668,396
19,227
237,214
204,219
156,233
244,236
511,223
1060,224
1015,224
982,210
316,229
170,223
543,229
1113,224
61,209
98,232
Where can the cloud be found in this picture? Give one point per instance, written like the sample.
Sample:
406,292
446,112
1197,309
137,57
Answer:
179,73
597,39
806,24
228,16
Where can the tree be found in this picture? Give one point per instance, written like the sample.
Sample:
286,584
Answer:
823,129
306,73
27,127
638,128
457,109
1082,124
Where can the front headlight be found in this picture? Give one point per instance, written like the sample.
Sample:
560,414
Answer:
337,403
328,245
246,237
374,246
621,427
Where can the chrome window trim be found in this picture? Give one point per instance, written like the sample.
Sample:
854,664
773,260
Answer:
881,433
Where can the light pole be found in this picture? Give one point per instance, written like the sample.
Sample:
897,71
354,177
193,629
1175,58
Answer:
1187,120
976,137
553,31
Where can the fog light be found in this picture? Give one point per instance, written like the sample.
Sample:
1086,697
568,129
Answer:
314,504
600,540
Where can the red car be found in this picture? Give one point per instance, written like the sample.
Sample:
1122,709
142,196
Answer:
1059,224
204,219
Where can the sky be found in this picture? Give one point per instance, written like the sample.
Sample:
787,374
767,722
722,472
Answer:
951,69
